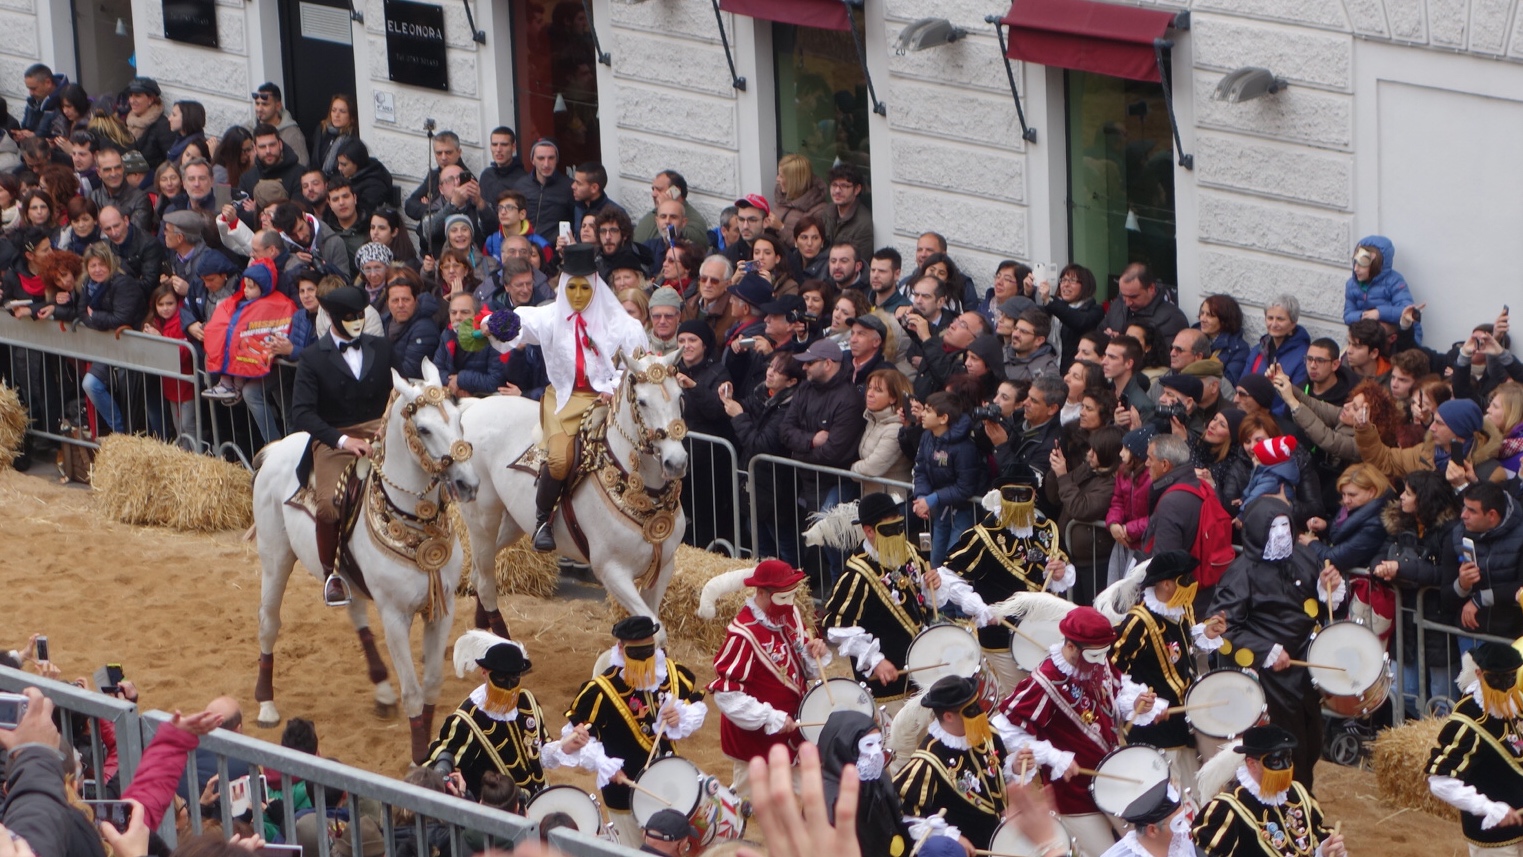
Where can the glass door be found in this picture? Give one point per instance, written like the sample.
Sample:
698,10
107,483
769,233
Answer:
822,108
555,71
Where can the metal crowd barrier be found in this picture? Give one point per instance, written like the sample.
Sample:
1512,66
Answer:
75,702
362,792
711,494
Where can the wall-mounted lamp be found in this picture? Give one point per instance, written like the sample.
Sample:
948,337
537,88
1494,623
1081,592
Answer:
927,33
1246,84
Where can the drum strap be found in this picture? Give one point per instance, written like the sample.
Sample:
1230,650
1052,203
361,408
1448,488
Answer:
1177,682
1302,799
759,653
1090,730
1016,568
486,744
1490,739
622,707
984,803
865,567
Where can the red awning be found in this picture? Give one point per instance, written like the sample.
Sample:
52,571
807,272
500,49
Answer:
1085,35
824,14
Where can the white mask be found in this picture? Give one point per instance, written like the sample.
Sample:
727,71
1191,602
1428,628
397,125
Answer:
785,599
870,757
1096,656
354,327
1181,823
1280,544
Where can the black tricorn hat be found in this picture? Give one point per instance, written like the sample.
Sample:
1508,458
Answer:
636,628
579,260
504,658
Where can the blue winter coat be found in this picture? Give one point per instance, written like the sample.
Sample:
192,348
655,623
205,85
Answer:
1387,291
478,372
1291,355
1232,350
1357,538
948,470
419,338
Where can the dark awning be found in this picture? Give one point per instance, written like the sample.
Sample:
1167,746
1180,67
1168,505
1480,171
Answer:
1085,35
824,14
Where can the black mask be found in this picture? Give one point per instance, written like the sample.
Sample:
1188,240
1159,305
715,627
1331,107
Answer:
506,681
1279,760
640,653
890,528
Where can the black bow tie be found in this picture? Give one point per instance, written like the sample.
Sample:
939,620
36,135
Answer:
346,344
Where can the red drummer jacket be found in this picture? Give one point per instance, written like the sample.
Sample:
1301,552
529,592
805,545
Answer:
763,662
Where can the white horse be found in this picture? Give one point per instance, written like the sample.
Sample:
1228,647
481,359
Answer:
645,426
411,475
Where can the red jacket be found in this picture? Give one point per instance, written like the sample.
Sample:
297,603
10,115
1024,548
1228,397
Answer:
772,674
170,328
1129,504
159,773
1052,707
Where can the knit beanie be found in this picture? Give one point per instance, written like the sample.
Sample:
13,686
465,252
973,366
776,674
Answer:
1258,388
1275,450
1462,416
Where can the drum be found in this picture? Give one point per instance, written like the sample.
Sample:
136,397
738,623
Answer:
1008,841
1223,703
1353,671
1126,774
828,697
721,815
943,650
1028,655
675,779
581,806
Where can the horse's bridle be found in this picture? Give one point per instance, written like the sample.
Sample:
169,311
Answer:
459,451
648,437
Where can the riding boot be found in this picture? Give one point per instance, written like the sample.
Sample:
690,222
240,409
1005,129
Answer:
335,589
544,508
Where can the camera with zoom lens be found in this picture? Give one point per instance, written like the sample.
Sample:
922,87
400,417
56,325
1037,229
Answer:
990,413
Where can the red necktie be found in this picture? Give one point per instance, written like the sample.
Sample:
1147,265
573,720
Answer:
581,343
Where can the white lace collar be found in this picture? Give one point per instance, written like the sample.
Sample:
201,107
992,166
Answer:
1150,598
1056,655
616,658
1179,846
479,699
766,621
956,742
1245,780
1474,691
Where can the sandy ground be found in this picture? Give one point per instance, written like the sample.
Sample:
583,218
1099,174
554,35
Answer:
180,613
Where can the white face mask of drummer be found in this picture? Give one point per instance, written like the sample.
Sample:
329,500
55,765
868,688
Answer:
785,599
1096,656
354,327
870,757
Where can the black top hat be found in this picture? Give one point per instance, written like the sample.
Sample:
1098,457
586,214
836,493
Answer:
1153,805
344,303
1168,565
636,628
877,507
579,260
1259,741
950,693
504,658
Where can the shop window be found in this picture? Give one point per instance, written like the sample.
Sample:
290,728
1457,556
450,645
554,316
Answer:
1120,177
822,104
555,71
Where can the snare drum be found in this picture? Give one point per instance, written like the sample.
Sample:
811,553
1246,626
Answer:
1008,841
1028,655
1125,775
1224,703
943,650
828,697
1363,679
583,808
675,779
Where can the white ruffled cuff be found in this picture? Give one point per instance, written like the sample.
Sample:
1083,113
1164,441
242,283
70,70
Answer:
1126,702
936,825
690,717
748,712
857,644
1017,739
1274,655
590,758
1060,585
1337,596
1465,798
955,589
1204,643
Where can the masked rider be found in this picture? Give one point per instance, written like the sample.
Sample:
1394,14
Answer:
580,333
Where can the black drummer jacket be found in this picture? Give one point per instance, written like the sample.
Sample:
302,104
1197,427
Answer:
1158,652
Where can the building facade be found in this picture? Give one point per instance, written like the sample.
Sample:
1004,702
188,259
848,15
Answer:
1396,119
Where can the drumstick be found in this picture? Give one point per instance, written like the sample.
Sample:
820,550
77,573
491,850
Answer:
809,725
1025,636
940,813
1104,776
1318,666
983,853
648,793
926,667
1175,709
829,697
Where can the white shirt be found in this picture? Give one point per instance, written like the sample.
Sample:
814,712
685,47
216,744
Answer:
354,359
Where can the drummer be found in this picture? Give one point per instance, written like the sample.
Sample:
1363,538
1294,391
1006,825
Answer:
880,602
498,728
762,670
1273,598
1015,549
644,698
1156,645
1070,713
1469,769
960,766
1269,812
1160,823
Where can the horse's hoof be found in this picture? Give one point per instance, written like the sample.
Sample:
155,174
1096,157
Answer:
268,717
385,710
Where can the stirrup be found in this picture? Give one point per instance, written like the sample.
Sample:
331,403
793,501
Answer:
340,598
544,536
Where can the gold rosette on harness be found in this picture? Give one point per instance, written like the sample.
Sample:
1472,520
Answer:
659,527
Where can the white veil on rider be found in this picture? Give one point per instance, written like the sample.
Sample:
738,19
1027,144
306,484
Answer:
608,325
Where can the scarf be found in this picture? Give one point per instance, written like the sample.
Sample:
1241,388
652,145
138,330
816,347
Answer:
138,124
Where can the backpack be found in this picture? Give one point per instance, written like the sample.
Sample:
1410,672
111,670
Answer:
1213,534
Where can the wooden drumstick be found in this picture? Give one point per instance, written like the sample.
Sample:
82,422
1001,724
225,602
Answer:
1025,636
655,741
829,697
1088,772
1175,709
920,843
1318,666
983,853
926,667
809,725
648,793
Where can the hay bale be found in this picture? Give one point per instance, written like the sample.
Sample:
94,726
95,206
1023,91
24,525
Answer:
679,607
1401,759
13,421
522,570
138,480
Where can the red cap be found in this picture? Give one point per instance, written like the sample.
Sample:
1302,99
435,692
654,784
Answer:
774,574
1086,628
755,200
1275,450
